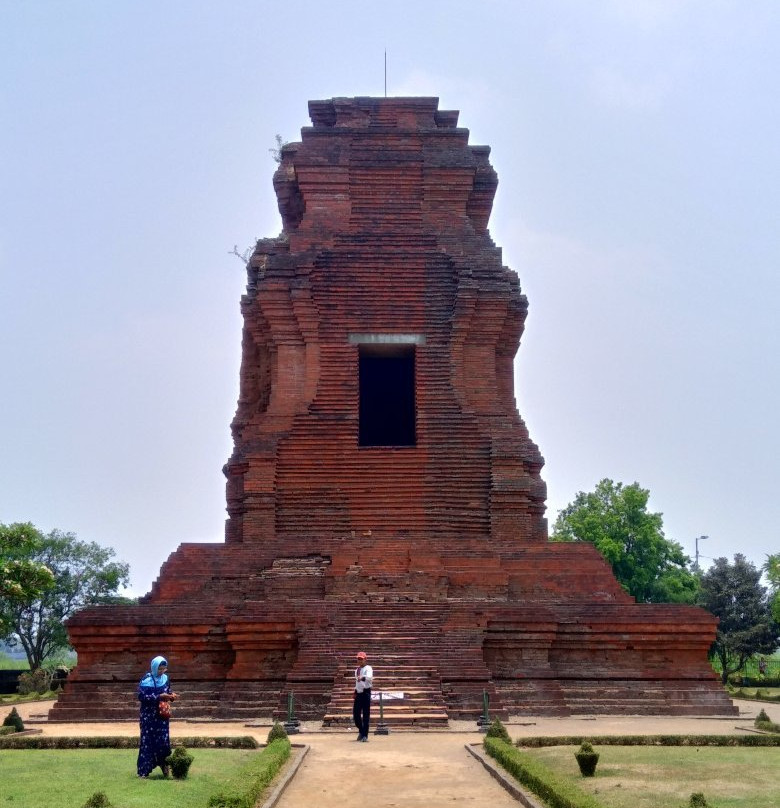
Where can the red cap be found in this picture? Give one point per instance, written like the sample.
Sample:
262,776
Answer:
361,655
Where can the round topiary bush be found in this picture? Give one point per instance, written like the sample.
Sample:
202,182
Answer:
180,761
697,800
98,800
587,758
277,731
13,719
498,730
762,717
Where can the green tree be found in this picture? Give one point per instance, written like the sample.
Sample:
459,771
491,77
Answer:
615,519
84,574
21,578
734,594
772,570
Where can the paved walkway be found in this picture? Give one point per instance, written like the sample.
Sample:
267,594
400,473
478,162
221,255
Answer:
411,769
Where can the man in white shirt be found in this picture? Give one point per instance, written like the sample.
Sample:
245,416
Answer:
361,709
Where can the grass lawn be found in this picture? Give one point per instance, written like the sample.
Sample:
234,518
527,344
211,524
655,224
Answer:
68,778
665,777
10,664
15,698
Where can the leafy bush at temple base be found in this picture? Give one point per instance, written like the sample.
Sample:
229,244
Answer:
34,683
244,790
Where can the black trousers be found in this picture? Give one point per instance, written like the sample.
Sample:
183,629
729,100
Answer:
361,711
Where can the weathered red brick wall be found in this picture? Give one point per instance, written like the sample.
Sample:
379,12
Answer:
385,208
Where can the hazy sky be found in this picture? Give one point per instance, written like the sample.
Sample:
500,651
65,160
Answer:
637,145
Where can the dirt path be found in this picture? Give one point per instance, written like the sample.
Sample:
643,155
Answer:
413,770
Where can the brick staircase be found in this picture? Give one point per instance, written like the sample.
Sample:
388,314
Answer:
403,645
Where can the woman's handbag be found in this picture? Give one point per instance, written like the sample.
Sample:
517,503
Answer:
164,709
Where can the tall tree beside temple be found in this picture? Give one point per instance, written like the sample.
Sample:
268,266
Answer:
614,518
84,574
772,570
734,594
22,579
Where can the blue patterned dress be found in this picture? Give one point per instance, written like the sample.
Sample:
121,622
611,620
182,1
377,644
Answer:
155,743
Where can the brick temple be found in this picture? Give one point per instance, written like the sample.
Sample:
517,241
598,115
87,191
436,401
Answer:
383,492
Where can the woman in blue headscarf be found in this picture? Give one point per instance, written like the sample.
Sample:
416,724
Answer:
155,745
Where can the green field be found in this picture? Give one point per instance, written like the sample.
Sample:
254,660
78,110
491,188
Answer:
67,778
665,777
12,664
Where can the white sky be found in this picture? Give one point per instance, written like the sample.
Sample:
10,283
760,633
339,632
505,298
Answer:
637,145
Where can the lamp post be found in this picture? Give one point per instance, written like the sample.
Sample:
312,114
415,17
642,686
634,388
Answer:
696,562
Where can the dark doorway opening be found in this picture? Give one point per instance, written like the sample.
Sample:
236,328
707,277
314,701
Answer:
387,416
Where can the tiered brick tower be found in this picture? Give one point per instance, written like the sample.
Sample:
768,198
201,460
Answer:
383,492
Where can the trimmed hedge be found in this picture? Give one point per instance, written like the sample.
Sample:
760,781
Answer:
652,740
753,681
538,778
547,785
122,742
246,787
759,695
767,726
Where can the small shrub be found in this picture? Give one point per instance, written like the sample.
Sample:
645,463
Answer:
179,761
277,732
498,730
761,717
587,758
98,800
7,730
697,800
34,683
13,719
